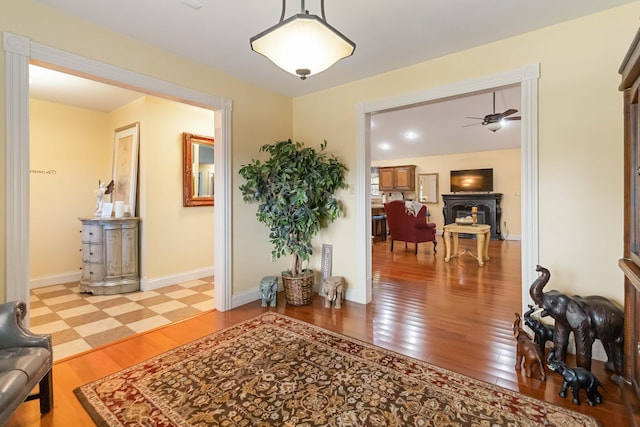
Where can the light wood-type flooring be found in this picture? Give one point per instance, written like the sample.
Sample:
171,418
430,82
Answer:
455,315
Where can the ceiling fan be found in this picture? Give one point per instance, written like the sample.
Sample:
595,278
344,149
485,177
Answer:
494,121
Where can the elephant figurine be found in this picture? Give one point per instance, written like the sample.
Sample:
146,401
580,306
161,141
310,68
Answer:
589,318
333,290
528,353
541,332
577,378
269,290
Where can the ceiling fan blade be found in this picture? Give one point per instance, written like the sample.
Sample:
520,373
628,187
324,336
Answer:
472,124
512,118
509,112
475,118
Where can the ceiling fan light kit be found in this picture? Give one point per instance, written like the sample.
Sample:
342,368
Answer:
303,44
496,121
494,126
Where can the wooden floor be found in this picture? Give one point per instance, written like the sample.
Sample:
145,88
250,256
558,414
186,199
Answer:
455,315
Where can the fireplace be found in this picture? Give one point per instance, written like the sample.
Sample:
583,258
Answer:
459,205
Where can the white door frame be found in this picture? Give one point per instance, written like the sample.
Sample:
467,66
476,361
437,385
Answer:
19,51
527,76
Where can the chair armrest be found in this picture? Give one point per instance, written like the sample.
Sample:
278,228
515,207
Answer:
425,225
12,334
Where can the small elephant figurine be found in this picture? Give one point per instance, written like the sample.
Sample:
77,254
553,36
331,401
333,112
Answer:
577,378
541,332
527,352
333,289
269,290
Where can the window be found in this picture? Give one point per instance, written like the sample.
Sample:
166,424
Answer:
375,181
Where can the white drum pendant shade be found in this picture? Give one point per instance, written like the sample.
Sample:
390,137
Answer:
303,45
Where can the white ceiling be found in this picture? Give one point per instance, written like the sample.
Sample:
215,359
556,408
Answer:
388,35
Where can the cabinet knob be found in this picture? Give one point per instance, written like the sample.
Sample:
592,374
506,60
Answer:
90,253
90,234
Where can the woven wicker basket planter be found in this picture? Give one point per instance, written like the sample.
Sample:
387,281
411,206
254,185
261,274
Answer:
298,290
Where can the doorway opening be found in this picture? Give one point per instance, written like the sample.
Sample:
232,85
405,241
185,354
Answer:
19,52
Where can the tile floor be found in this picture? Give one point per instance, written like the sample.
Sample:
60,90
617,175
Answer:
79,321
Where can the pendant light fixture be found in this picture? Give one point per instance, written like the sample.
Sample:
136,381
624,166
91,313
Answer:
303,44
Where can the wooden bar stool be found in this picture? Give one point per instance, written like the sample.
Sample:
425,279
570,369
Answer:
379,228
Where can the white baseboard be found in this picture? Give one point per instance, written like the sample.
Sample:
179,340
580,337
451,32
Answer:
246,297
147,284
55,279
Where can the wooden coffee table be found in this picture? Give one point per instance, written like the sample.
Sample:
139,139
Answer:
482,233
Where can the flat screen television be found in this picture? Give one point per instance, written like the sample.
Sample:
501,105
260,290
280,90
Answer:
477,180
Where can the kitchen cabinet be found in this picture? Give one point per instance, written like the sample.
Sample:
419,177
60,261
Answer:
397,178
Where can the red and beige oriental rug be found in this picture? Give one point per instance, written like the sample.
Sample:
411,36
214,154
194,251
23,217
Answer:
276,371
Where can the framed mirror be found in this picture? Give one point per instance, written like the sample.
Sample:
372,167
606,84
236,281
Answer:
428,188
198,170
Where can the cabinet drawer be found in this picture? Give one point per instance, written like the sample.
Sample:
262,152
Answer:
92,233
92,272
92,253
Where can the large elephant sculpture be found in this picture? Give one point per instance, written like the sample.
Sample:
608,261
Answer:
589,318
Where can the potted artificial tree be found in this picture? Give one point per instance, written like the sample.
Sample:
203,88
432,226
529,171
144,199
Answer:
295,188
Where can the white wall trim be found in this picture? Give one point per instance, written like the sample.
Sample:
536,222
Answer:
55,279
16,51
174,279
19,51
527,76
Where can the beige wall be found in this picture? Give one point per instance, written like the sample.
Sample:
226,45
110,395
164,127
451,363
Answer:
61,187
176,239
580,131
258,117
580,139
506,180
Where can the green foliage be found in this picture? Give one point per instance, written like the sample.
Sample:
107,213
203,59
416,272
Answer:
295,190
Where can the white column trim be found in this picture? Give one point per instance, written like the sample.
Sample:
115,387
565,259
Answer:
529,179
527,76
18,52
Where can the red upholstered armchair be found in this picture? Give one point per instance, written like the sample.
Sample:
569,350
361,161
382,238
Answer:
406,227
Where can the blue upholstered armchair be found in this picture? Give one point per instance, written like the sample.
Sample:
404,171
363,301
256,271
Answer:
25,361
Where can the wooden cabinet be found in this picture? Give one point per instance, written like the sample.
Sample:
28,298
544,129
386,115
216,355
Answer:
397,178
109,255
630,263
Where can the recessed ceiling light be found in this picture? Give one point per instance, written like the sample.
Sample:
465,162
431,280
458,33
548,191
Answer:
193,4
411,134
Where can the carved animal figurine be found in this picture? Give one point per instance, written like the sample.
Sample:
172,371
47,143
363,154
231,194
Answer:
527,352
588,318
333,290
577,378
269,290
541,332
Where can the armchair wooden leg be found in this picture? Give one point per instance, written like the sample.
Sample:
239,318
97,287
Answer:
435,243
46,393
416,252
391,245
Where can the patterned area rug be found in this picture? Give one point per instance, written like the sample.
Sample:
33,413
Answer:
276,371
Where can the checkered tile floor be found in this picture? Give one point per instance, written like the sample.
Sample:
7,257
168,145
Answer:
79,321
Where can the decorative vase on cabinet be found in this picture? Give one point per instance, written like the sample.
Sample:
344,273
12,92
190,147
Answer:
109,255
